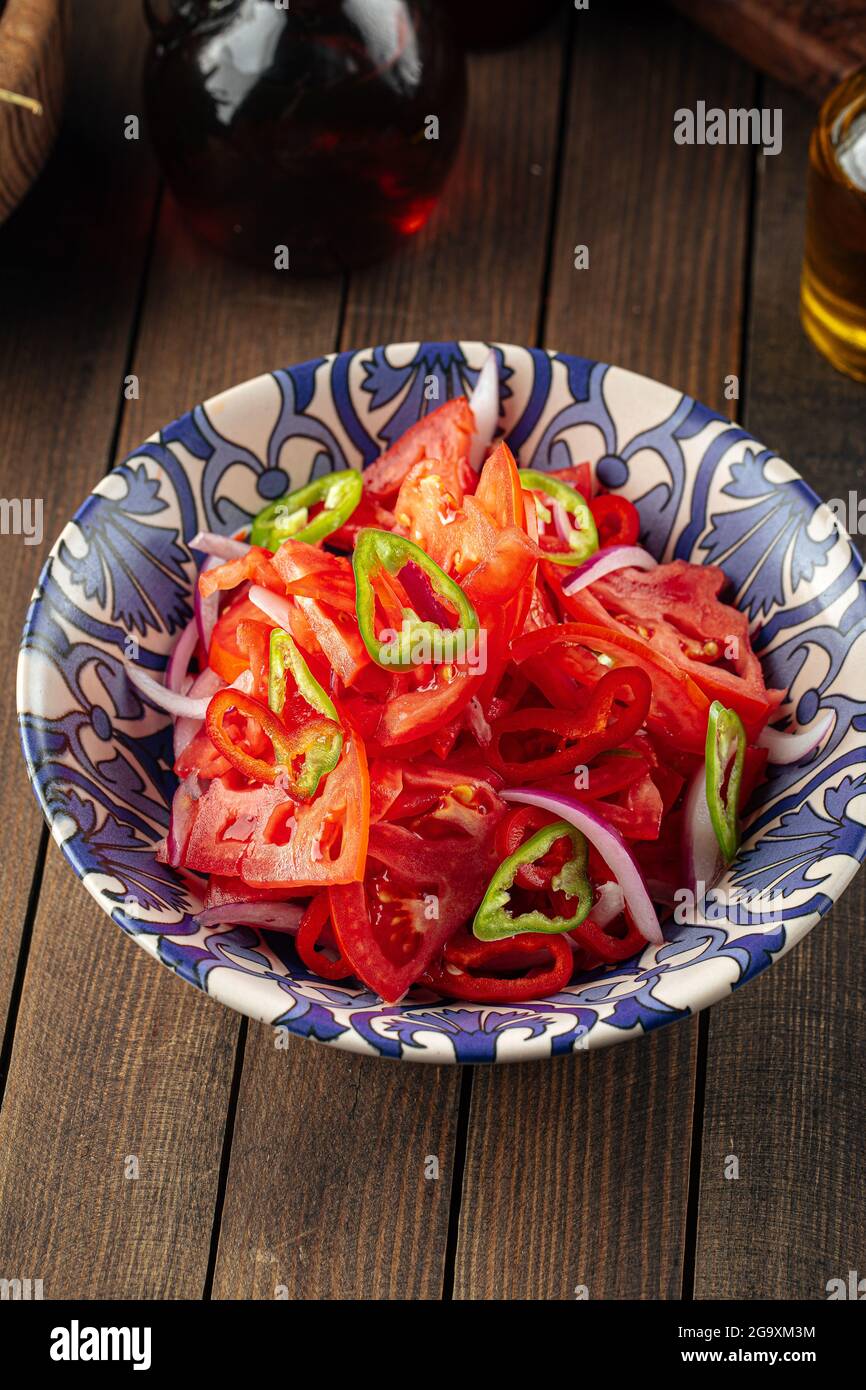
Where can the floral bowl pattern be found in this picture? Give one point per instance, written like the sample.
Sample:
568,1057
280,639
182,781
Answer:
99,758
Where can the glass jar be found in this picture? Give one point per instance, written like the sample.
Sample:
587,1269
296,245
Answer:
833,285
314,135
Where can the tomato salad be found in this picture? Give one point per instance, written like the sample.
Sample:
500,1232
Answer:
449,724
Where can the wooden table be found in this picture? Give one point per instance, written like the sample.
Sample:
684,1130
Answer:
304,1170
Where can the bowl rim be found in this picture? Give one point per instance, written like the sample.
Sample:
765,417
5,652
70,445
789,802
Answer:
795,929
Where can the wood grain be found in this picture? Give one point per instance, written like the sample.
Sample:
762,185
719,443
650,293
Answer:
554,1194
33,39
785,1088
167,1054
71,259
334,1147
810,44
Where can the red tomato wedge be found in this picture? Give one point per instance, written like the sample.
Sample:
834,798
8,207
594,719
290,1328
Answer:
677,610
257,833
226,656
445,434
416,893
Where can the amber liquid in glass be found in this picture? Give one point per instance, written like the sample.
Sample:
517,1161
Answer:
833,286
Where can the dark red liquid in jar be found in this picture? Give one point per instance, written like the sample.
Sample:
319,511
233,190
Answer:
497,23
307,128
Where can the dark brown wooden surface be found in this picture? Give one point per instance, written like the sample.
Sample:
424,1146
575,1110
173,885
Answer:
303,1170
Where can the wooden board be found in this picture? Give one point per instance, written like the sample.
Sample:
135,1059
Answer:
68,288
335,1147
809,44
785,1089
556,1193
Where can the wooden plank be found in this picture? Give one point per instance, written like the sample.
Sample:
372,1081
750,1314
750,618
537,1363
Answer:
785,1086
138,1063
809,44
342,1208
558,1156
33,37
68,295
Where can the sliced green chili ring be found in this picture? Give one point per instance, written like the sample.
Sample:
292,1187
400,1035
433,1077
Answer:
323,752
289,516
583,540
377,550
726,748
494,921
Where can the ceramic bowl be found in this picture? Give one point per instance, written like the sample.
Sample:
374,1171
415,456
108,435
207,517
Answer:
99,758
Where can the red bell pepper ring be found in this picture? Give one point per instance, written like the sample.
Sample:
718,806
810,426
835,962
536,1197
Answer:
307,941
456,971
617,520
517,827
287,746
601,725
600,942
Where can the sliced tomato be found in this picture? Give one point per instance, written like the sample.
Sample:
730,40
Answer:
676,608
445,434
499,491
255,567
221,891
307,571
577,475
416,893
225,655
679,707
368,512
318,842
259,834
433,510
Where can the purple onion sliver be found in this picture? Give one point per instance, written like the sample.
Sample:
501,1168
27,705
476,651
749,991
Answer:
181,656
787,747
484,404
614,557
610,845
704,862
272,605
219,547
274,916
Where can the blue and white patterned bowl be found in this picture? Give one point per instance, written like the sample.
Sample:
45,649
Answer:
99,758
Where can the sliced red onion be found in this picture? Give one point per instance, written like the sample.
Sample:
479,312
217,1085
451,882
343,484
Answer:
272,605
270,916
203,687
790,747
220,547
610,845
169,700
182,815
181,655
611,901
477,724
207,609
484,404
613,557
703,857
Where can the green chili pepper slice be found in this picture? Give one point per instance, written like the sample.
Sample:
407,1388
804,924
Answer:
323,752
289,516
494,921
583,540
382,550
726,748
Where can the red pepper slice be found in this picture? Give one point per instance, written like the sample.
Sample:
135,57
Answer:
287,745
617,520
517,827
601,725
313,923
454,973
